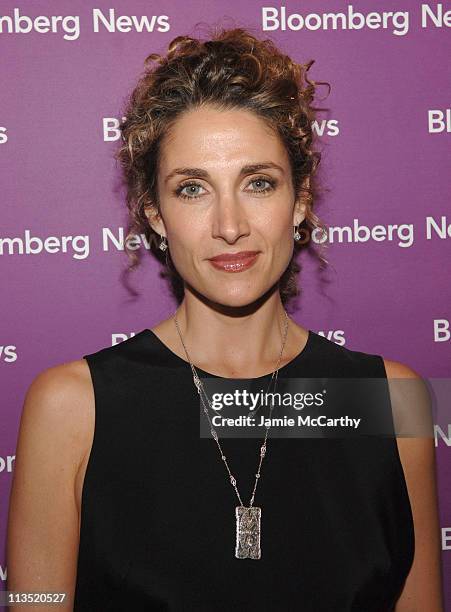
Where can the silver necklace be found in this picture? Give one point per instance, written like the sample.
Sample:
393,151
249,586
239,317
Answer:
248,518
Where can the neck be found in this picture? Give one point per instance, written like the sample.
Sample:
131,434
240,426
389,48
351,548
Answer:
238,341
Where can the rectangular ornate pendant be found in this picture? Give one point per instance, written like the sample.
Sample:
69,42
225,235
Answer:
248,521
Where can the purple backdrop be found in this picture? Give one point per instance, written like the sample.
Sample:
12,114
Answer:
385,145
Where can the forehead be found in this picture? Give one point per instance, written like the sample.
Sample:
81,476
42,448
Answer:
213,137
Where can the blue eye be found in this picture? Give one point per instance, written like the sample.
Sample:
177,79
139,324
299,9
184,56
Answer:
259,181
191,190
192,193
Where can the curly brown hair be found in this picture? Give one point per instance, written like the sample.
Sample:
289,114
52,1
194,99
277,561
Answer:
232,69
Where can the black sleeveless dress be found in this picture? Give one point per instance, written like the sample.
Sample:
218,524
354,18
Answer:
158,511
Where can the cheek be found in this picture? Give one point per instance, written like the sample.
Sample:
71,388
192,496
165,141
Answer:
275,216
186,231
275,229
189,244
279,237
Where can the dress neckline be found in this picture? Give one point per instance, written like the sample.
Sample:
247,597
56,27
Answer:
203,373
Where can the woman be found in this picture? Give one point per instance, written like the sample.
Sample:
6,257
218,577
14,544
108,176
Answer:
116,499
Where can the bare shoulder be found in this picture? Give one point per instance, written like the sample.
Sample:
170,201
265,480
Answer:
60,403
43,524
397,369
75,372
62,390
62,377
411,405
411,401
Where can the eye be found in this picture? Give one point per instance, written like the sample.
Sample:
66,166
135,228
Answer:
192,190
262,184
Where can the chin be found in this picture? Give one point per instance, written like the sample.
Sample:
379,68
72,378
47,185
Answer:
236,296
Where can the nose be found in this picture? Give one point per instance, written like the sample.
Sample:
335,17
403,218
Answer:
230,221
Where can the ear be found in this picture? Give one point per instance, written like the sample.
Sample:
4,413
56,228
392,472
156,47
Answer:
300,212
300,207
155,220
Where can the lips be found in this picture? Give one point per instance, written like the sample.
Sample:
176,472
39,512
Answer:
234,262
233,257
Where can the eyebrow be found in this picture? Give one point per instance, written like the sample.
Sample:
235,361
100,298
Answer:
201,173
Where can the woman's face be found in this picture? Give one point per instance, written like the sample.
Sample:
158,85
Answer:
225,186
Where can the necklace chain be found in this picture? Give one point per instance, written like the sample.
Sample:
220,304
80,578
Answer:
200,390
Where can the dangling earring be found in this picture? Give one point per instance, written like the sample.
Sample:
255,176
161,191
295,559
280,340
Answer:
163,244
296,234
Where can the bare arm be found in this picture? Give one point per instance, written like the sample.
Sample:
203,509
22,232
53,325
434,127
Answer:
423,586
43,521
